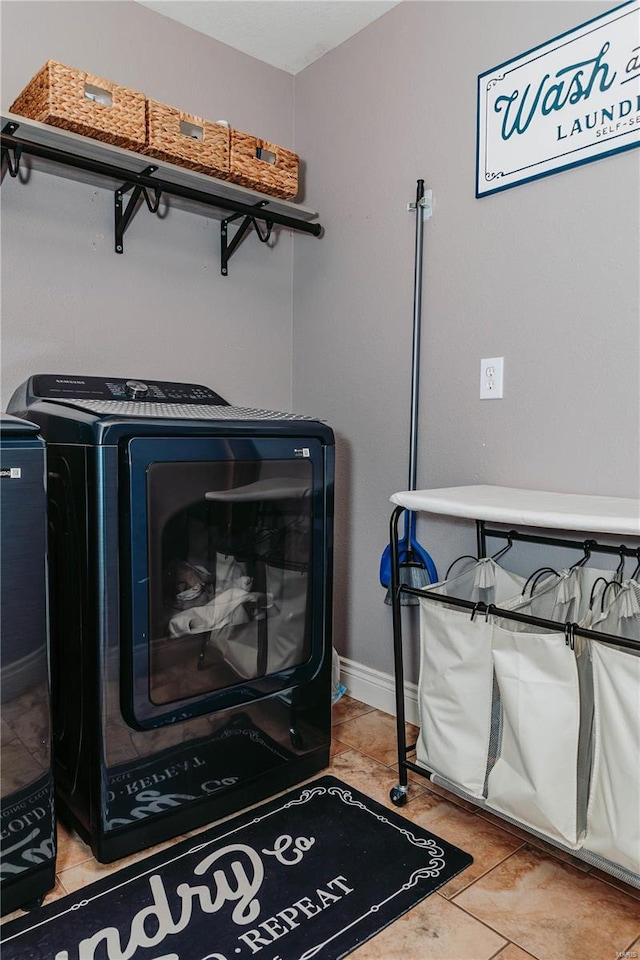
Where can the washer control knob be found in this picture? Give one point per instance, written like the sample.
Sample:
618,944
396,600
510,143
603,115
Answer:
136,389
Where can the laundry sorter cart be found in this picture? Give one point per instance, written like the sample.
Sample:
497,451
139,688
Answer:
529,687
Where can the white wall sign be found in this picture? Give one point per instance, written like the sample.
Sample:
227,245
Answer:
566,102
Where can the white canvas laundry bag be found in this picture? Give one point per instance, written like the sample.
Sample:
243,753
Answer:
540,775
565,596
613,814
455,686
535,778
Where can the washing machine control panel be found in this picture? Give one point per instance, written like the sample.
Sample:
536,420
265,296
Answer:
52,386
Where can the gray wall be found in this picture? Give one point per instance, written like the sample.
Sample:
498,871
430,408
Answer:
69,303
545,274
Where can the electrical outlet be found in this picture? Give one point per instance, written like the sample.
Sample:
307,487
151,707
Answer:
491,378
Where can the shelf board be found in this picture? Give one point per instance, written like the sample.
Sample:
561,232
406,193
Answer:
41,134
532,508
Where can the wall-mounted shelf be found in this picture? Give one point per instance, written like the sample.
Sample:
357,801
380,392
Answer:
83,159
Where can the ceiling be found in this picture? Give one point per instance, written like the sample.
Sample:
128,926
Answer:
289,34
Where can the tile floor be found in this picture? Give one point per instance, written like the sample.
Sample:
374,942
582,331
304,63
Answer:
520,899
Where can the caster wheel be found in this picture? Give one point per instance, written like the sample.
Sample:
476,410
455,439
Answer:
398,796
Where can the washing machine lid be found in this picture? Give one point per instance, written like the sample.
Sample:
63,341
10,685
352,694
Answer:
131,409
11,426
137,399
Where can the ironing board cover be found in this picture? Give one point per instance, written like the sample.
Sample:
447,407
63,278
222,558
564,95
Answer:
533,508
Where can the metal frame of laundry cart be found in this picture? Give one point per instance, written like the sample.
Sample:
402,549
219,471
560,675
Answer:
503,505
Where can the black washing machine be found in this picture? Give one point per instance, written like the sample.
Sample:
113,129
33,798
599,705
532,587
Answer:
27,823
191,562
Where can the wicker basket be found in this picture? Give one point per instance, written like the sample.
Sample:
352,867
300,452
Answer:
189,141
263,166
85,104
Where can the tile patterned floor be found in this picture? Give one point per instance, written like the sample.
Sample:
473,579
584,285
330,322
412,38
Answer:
521,898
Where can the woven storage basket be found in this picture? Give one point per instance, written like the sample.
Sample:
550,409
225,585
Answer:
85,104
263,166
189,141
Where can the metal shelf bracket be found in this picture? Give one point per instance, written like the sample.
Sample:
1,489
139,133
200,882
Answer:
124,216
11,154
227,247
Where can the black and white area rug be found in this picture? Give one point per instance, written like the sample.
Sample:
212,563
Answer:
311,874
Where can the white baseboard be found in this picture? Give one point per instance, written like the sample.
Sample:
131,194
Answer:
377,689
